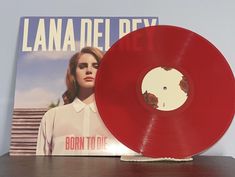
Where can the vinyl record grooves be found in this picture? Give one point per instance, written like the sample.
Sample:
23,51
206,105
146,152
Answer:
138,118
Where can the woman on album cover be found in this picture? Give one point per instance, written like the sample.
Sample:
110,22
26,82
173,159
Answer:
76,127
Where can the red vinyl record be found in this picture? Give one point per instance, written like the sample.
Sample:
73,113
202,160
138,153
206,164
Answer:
165,91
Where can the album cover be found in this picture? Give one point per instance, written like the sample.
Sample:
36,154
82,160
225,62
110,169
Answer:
54,109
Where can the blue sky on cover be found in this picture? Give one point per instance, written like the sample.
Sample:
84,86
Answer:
40,77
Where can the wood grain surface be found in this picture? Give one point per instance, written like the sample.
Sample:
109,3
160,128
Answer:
32,166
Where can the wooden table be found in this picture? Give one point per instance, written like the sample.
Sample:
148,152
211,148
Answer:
31,166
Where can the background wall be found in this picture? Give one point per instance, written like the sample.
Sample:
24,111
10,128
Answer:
213,19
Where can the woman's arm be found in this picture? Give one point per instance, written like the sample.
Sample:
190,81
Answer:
44,140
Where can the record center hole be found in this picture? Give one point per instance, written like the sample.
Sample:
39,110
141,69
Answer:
155,88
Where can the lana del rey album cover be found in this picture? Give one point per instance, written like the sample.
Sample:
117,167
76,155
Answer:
54,108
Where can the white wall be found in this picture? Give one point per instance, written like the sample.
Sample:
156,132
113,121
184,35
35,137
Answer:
213,19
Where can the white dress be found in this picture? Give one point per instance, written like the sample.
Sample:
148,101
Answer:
76,129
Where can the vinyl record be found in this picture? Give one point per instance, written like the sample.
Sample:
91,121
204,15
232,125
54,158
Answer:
165,91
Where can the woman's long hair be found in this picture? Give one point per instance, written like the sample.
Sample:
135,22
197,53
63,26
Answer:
72,86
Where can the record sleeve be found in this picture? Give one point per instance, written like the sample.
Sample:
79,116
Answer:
49,117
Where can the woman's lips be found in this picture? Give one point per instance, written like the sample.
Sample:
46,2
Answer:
89,79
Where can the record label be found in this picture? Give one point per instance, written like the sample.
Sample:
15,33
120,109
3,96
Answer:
165,91
164,88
